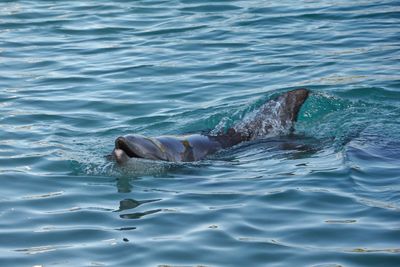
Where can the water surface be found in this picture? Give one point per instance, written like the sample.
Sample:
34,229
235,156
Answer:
75,75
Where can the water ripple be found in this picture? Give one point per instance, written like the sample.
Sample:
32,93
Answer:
75,75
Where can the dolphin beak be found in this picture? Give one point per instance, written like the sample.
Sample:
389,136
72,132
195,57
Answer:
123,144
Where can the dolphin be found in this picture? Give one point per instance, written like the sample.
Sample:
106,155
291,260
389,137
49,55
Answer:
274,117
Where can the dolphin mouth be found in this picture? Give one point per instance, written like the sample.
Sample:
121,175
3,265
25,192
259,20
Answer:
123,144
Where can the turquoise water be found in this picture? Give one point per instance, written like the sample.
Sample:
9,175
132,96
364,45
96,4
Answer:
74,75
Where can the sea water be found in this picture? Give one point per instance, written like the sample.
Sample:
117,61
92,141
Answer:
74,75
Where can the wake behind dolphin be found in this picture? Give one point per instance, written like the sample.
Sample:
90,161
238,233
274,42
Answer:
275,117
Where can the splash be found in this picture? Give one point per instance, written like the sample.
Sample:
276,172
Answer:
265,122
145,167
134,168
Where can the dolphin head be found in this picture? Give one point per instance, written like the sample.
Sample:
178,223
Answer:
136,146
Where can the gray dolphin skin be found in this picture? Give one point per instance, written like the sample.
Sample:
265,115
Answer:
276,114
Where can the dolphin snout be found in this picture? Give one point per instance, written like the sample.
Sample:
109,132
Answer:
121,143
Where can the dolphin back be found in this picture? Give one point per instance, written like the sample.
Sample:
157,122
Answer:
275,117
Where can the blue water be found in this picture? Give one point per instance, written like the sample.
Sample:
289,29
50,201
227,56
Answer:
74,75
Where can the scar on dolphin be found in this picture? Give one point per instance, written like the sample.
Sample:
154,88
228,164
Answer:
280,112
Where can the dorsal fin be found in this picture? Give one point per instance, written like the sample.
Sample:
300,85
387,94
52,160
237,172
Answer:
275,117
